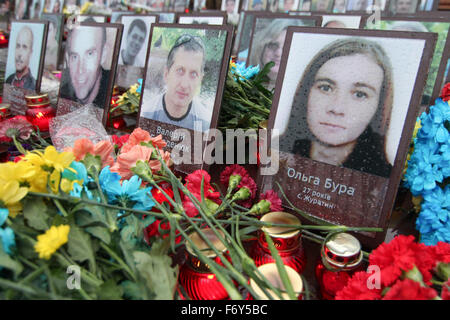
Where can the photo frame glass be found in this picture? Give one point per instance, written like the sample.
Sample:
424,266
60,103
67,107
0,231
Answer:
256,5
54,40
322,5
25,60
403,6
133,48
90,61
287,5
91,18
199,66
268,36
230,6
341,21
316,174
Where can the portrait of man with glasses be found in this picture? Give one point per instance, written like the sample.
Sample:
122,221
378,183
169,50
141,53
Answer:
183,74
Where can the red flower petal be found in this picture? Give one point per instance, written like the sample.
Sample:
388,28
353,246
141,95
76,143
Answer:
233,169
408,289
272,197
357,289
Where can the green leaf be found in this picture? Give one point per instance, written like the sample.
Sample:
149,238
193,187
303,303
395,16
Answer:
155,268
80,246
35,213
100,233
7,262
109,290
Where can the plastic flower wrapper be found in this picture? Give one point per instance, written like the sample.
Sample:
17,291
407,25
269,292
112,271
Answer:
81,123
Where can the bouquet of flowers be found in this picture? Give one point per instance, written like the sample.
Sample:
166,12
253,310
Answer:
128,102
428,171
402,270
114,216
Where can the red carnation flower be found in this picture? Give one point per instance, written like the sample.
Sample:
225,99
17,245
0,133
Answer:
194,183
272,197
249,183
189,207
445,93
159,196
232,170
153,231
357,289
394,257
120,141
442,252
408,289
425,261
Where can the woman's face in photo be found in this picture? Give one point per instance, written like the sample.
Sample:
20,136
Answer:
344,98
272,52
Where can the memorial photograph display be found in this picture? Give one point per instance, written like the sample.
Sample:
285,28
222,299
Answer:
25,61
268,36
193,150
344,111
90,61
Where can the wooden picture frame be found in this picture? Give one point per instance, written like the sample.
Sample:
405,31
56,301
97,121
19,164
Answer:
60,28
210,17
31,59
153,115
69,97
317,187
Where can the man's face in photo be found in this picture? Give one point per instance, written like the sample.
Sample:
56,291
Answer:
84,58
24,49
184,78
404,6
135,41
230,6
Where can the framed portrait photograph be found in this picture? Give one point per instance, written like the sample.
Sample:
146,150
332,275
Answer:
133,48
268,35
90,62
22,10
346,20
91,18
199,5
359,6
304,5
322,5
25,62
166,17
179,5
156,5
339,6
54,39
116,16
230,6
186,71
211,18
246,33
35,9
339,101
287,5
441,27
402,7
256,5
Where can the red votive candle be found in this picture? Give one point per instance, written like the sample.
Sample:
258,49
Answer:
39,111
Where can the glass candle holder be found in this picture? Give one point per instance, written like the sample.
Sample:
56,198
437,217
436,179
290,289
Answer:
39,112
287,241
340,258
270,272
195,276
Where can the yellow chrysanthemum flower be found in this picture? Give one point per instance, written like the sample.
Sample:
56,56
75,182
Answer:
133,88
51,159
38,182
51,240
10,195
21,171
